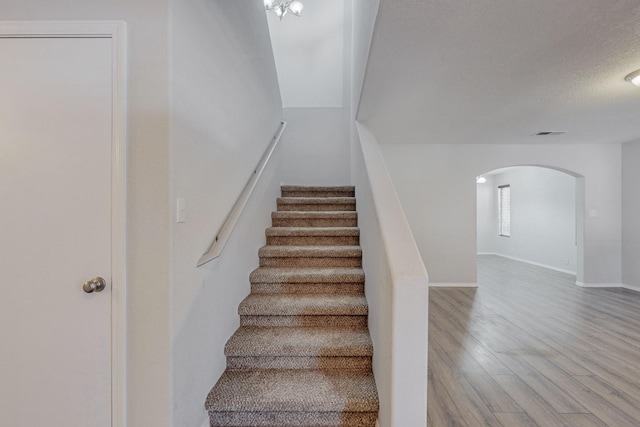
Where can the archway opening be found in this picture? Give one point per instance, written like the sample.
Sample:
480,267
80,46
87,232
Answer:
533,214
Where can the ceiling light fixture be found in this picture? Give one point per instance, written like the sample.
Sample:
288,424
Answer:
634,78
480,179
282,7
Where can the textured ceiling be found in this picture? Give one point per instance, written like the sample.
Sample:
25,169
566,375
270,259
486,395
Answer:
499,71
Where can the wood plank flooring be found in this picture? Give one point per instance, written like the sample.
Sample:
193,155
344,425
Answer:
530,348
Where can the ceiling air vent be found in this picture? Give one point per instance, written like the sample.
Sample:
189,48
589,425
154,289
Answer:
549,133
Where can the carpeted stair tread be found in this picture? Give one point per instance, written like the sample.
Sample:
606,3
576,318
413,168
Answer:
307,275
308,236
314,214
310,251
302,191
303,305
314,219
279,390
318,342
312,188
312,231
316,203
302,356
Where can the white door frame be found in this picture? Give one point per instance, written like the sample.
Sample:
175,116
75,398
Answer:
115,30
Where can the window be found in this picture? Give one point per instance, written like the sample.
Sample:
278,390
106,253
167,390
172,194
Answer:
504,210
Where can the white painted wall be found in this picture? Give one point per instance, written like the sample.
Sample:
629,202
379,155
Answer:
225,110
148,352
396,289
309,54
315,146
486,215
631,214
543,217
365,13
436,185
203,93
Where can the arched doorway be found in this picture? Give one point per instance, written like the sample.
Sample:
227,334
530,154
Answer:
534,214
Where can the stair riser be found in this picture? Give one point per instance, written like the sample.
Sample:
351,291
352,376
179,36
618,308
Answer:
293,419
308,288
313,240
314,222
275,321
316,207
328,262
357,363
328,193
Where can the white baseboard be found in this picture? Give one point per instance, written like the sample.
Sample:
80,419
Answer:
600,285
609,285
377,423
631,287
550,267
453,285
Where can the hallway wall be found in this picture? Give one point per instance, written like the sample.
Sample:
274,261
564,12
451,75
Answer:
225,110
630,214
148,264
316,148
436,185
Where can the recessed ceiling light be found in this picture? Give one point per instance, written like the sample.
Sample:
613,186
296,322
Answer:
634,78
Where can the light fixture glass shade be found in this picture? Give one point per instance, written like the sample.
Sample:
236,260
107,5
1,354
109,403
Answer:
296,7
480,179
634,78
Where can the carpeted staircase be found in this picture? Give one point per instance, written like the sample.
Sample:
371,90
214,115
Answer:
302,355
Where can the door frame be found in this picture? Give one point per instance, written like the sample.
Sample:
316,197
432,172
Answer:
116,31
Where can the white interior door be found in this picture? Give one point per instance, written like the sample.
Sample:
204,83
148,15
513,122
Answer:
55,231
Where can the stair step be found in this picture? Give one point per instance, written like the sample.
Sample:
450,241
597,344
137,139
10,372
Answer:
306,275
303,310
299,348
303,305
307,280
319,236
316,204
302,356
314,219
302,191
310,256
270,398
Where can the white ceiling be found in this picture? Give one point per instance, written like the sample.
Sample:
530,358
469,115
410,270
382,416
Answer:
499,71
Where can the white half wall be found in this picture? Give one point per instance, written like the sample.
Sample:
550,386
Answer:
543,217
397,290
436,185
631,214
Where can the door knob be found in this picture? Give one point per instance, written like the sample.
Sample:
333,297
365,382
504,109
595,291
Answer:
96,284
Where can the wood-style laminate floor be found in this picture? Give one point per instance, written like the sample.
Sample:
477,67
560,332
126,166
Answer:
530,348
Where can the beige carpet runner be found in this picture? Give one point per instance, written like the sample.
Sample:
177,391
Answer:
302,355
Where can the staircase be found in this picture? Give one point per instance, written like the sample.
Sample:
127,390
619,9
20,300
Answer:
302,354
